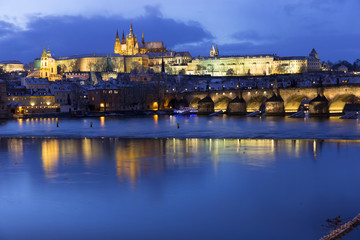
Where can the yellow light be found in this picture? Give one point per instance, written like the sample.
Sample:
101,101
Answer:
48,103
102,105
155,104
32,104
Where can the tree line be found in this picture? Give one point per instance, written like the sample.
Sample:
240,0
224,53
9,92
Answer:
352,67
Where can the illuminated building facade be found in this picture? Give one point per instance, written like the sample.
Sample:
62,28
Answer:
131,46
40,102
247,65
48,66
12,66
131,54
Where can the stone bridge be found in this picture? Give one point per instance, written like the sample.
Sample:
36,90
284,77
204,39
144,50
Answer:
321,100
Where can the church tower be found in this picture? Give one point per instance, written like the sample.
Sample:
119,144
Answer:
123,41
48,66
117,47
216,51
212,51
44,64
314,54
132,46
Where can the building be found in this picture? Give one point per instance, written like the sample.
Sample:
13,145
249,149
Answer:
12,66
40,102
48,66
240,65
109,97
131,46
248,65
131,55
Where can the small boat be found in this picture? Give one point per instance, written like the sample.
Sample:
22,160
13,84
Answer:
186,111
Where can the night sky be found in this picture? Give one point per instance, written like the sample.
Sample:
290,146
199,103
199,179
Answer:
287,28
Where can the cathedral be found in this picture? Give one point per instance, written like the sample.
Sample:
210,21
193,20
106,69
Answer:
131,46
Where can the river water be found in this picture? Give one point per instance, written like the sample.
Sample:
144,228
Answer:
143,178
190,127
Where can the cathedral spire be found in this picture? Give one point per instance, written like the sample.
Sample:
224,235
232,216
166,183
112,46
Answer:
117,47
212,51
217,51
142,38
123,38
131,31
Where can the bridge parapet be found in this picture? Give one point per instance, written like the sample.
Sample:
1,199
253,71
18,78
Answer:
293,98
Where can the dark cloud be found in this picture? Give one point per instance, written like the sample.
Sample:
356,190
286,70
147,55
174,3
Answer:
69,35
6,29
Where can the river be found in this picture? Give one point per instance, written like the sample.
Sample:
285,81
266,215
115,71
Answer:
143,178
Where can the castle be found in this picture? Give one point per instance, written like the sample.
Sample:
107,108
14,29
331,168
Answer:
131,46
130,54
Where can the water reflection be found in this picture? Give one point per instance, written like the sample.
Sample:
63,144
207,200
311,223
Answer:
102,121
50,157
133,159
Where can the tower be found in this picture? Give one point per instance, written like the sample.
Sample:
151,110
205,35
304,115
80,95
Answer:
212,51
117,47
314,54
142,38
132,46
44,64
48,67
131,34
123,41
216,51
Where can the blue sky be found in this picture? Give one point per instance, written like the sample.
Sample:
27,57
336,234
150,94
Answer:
287,28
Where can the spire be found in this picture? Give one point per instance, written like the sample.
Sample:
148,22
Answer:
217,51
117,47
131,31
142,38
212,51
123,38
44,54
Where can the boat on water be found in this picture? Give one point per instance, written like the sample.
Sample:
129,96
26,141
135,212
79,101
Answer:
186,111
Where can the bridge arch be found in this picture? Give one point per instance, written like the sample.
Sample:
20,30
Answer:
337,105
222,103
194,102
293,103
255,103
176,104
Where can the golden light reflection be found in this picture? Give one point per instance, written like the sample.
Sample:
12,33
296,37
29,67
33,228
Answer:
50,157
86,149
156,119
20,121
102,121
131,158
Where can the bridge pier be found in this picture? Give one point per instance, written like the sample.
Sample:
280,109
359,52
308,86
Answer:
237,106
274,106
206,105
319,107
